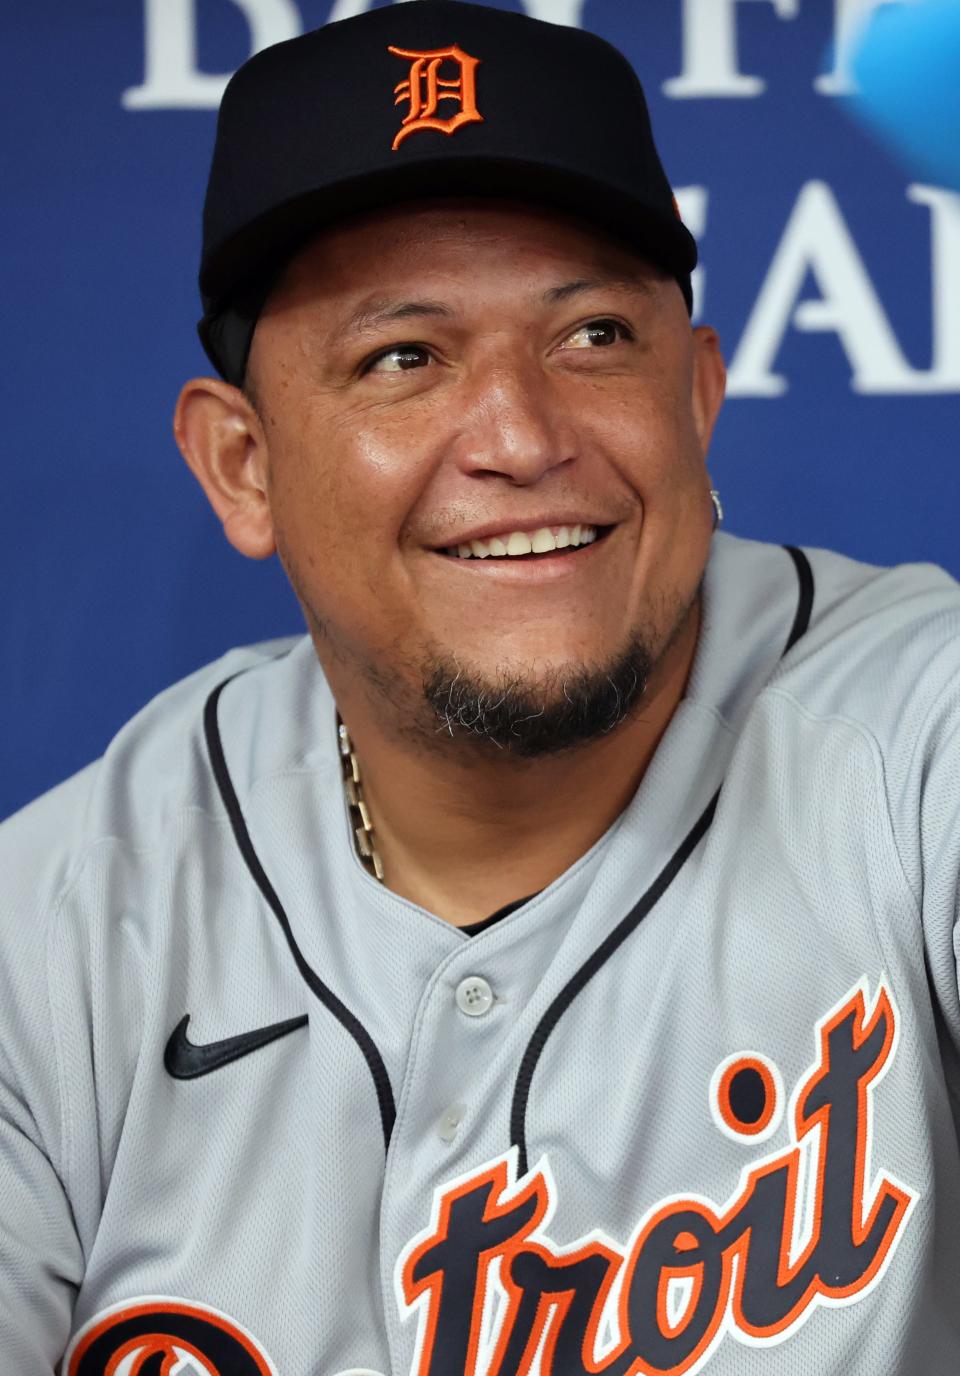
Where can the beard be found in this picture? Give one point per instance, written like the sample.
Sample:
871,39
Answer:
531,720
527,716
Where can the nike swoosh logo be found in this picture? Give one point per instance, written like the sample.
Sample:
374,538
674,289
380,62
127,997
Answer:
185,1061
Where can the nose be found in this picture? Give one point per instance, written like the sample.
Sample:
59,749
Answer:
513,424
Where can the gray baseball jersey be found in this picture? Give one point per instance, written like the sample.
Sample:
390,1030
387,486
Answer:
691,1108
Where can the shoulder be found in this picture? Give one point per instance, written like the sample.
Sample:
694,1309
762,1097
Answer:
125,803
858,721
880,662
838,637
882,648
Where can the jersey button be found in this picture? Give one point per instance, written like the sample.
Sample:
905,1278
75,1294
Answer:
450,1120
474,996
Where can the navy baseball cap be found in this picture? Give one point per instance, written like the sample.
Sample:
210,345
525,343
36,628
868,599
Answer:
432,98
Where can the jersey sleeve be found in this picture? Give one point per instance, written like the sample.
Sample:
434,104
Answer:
923,787
41,1258
883,653
937,773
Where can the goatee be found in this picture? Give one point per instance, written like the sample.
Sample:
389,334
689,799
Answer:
564,710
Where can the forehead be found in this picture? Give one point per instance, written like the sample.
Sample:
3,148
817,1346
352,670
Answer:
462,245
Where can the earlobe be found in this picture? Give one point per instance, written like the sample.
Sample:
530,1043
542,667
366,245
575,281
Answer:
221,438
709,382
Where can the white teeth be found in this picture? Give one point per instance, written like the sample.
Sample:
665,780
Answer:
543,540
517,542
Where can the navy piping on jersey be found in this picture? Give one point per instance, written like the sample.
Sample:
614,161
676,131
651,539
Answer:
327,997
580,979
805,601
475,928
629,924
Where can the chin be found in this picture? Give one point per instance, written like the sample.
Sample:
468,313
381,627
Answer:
535,714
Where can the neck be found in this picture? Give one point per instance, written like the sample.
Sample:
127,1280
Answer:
462,837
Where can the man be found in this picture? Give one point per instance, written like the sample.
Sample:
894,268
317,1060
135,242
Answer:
547,964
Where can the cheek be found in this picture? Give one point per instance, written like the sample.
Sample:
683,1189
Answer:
340,493
652,440
305,506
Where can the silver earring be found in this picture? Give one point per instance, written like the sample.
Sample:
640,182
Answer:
717,507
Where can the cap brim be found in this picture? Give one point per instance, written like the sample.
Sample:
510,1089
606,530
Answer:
268,241
239,275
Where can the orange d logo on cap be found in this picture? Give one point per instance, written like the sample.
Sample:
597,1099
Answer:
424,88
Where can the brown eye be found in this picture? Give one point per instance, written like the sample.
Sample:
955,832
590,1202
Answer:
398,359
597,333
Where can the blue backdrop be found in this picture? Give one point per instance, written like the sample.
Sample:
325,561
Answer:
832,273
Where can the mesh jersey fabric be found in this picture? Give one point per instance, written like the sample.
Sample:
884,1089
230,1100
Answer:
266,1191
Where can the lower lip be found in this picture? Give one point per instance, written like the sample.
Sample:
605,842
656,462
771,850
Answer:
546,568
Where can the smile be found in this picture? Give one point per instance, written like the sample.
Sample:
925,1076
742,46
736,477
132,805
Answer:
519,544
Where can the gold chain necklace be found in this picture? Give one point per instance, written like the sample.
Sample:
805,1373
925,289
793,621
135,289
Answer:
359,812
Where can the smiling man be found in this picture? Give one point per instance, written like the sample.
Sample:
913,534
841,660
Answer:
547,964
488,487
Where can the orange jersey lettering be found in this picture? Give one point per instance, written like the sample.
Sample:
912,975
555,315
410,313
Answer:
812,1224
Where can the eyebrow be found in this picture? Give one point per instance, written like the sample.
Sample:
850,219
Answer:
372,314
554,295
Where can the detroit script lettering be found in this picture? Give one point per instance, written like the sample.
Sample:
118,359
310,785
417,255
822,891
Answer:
809,1225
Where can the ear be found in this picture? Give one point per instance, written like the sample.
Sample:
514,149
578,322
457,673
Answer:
709,382
222,439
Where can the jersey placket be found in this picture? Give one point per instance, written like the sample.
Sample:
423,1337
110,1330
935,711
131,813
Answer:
468,1039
